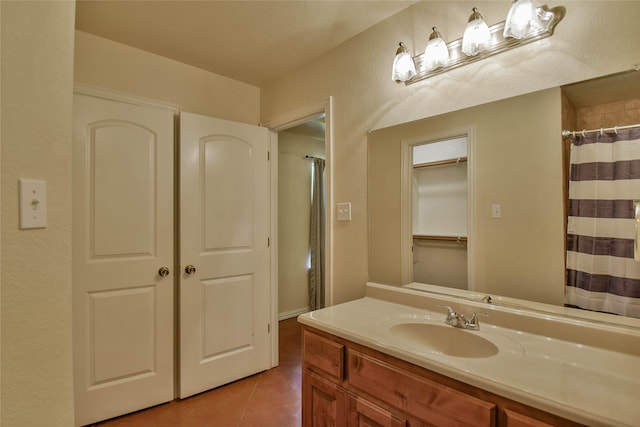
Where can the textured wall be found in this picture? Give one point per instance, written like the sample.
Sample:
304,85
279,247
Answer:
358,75
37,66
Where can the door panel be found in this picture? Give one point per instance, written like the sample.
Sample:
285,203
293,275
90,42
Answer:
122,234
224,231
122,159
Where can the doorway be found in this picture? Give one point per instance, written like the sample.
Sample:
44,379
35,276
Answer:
278,124
298,147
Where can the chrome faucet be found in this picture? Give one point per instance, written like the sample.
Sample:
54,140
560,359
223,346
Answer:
459,321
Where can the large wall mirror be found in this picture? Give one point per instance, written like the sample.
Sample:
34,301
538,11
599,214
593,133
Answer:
517,186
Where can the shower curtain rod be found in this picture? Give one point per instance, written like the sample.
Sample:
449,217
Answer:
615,129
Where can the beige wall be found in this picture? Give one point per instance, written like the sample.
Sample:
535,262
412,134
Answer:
294,211
515,160
357,74
37,66
109,65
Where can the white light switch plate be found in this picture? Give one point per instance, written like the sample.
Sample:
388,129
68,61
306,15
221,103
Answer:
344,211
33,203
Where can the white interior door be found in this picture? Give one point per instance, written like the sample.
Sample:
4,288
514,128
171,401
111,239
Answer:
224,232
122,235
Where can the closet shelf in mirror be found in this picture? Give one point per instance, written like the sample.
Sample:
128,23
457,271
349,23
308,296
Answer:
440,163
458,239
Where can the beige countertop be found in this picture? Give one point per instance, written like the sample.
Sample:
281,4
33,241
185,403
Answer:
542,360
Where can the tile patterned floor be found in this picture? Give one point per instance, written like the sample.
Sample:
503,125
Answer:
267,399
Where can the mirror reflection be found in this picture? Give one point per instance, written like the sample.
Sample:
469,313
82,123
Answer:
439,213
517,201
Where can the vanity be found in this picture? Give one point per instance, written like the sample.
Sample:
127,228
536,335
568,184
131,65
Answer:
389,359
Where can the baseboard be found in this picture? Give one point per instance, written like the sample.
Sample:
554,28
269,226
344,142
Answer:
292,313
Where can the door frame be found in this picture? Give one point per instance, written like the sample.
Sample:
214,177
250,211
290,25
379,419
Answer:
276,124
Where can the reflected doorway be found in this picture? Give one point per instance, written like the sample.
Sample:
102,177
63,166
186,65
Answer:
439,198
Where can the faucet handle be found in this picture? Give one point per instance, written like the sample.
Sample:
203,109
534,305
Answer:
474,319
452,316
450,310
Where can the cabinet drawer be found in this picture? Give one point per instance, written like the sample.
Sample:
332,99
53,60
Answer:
365,414
515,419
323,356
434,403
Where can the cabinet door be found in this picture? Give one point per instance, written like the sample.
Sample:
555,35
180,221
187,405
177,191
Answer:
323,403
365,414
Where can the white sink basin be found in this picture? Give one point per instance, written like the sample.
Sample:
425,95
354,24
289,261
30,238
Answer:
445,339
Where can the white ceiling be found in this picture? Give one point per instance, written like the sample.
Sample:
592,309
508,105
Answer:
249,41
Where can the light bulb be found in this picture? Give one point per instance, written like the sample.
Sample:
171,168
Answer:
436,53
477,36
522,20
403,66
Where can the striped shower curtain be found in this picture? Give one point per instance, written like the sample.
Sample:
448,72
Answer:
602,274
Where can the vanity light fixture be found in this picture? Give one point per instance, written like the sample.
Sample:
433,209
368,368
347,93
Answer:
522,20
436,53
477,37
524,24
403,66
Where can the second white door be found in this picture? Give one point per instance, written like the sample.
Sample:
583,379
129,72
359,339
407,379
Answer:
224,252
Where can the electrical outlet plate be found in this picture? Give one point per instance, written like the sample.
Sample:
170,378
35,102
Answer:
344,211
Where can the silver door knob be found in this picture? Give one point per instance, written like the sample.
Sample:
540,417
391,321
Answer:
164,271
189,269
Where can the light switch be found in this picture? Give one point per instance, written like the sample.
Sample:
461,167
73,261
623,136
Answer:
33,203
496,211
344,211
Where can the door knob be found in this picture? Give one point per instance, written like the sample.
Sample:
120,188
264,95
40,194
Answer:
164,271
189,269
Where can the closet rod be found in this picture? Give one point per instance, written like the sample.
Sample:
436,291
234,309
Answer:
440,238
440,163
615,129
312,157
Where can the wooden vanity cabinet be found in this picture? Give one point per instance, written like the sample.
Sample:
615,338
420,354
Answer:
345,384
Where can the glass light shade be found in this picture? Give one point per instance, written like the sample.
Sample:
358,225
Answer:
477,37
436,53
522,20
403,66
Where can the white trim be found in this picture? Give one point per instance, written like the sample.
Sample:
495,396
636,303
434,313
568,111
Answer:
276,124
112,95
406,201
406,210
299,116
292,313
273,170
